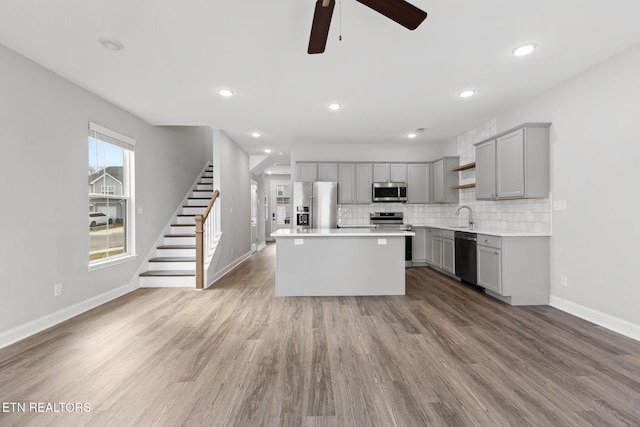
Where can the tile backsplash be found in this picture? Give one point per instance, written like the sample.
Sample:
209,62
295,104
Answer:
532,215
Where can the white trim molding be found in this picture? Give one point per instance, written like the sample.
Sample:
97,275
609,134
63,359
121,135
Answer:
605,320
220,274
38,325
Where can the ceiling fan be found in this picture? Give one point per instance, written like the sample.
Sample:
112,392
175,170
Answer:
400,11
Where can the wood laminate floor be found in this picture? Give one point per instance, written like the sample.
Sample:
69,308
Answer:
234,355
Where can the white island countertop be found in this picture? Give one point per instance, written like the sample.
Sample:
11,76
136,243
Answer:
341,232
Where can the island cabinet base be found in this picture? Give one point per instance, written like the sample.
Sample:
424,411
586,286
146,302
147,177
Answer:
340,266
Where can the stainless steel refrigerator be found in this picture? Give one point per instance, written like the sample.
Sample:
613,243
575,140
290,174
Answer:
315,204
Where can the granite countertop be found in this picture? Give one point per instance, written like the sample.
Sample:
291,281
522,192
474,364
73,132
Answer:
341,232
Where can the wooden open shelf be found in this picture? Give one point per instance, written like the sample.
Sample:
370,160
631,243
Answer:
460,187
465,167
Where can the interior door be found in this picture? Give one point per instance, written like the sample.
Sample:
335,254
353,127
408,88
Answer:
280,205
254,216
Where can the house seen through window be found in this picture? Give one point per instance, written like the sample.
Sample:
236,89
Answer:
110,174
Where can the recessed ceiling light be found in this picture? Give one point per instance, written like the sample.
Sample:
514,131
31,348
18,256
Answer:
335,106
524,49
225,92
412,135
466,93
111,44
267,150
256,134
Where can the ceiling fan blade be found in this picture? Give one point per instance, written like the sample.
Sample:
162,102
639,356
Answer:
400,11
320,26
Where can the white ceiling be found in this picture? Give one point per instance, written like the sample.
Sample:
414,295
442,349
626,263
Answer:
389,80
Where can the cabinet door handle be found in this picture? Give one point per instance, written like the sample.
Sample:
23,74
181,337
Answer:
487,241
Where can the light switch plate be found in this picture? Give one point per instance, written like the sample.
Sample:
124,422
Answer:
298,242
382,242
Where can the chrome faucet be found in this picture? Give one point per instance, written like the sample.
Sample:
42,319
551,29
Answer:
471,223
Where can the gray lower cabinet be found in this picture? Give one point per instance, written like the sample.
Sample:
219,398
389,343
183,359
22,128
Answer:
490,268
514,164
448,255
443,250
514,269
422,246
419,252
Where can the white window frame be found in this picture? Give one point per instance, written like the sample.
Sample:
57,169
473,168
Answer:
111,137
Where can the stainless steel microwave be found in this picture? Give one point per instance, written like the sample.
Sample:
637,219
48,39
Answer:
389,192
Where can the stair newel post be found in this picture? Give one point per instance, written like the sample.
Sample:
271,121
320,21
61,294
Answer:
199,252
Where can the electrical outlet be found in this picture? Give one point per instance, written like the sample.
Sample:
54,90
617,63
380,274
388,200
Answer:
57,290
559,205
382,242
563,280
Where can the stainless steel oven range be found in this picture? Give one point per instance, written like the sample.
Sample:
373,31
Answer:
394,220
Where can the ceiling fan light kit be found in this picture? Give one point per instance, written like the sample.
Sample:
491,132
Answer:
400,11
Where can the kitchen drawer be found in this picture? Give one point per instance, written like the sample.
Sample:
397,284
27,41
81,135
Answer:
448,234
490,241
436,232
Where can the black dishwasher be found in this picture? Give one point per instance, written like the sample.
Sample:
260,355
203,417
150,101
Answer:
465,244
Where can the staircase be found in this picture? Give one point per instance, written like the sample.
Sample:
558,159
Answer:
175,261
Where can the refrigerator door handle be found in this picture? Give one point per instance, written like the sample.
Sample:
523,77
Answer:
311,208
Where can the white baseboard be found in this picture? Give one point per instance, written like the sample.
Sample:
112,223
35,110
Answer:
615,324
228,268
38,325
261,246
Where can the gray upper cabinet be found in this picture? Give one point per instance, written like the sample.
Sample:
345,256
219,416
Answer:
514,164
398,172
307,172
444,179
486,170
364,181
347,183
381,172
418,183
328,172
389,172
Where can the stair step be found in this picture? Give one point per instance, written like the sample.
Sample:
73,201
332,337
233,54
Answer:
172,263
186,219
198,201
179,235
183,228
172,259
164,273
177,247
193,210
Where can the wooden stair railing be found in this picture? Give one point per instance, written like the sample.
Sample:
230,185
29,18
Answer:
201,249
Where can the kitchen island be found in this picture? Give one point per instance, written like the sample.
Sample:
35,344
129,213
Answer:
340,262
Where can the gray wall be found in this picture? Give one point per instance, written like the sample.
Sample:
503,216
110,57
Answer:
233,179
595,151
43,132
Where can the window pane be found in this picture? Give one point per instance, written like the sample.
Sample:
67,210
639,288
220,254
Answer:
107,179
107,227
